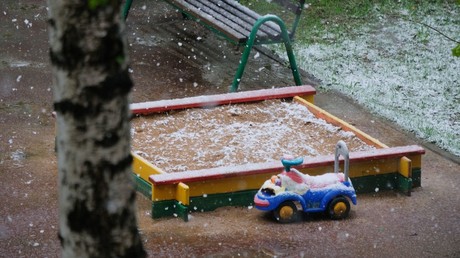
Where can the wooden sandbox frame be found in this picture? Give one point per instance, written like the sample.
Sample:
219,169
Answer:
177,194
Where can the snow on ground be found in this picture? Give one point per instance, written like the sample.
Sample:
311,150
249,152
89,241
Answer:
399,69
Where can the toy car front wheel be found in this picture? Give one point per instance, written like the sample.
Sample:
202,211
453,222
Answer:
339,208
286,212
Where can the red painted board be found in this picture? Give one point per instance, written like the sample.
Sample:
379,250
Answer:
221,99
261,168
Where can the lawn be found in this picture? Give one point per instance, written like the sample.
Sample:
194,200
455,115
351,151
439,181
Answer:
392,57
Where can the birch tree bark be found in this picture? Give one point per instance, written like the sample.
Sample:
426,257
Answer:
91,88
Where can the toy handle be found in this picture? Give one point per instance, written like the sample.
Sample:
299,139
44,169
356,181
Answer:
288,163
342,149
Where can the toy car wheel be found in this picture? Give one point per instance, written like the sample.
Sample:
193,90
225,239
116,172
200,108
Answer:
286,212
339,208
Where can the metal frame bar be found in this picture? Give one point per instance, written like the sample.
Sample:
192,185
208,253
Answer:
126,8
250,44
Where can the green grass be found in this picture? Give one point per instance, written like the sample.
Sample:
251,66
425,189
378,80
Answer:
329,21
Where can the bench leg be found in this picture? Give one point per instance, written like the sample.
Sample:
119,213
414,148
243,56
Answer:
126,8
241,66
250,44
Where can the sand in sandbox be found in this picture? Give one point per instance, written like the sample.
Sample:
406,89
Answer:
234,135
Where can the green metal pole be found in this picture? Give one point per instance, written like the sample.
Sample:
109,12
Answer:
126,8
297,17
250,43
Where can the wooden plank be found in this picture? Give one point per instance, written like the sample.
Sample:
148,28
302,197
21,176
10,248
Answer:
273,167
220,99
250,17
251,13
143,168
183,194
236,16
405,167
320,113
228,17
223,16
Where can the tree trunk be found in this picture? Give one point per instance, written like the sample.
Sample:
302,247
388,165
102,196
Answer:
91,87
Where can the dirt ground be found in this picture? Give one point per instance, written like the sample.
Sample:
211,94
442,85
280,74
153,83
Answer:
176,58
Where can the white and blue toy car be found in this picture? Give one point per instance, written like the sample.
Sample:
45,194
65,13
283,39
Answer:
286,193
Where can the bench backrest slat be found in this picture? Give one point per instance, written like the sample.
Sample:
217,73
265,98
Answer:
210,21
227,15
252,14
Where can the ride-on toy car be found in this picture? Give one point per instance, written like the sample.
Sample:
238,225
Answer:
285,193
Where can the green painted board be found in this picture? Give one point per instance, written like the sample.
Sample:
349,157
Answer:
366,184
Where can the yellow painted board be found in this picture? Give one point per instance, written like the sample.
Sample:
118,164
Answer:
252,182
309,98
164,192
322,114
416,161
200,188
380,166
358,169
143,168
183,194
227,185
405,167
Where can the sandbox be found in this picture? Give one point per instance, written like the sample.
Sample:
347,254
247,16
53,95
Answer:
197,154
235,134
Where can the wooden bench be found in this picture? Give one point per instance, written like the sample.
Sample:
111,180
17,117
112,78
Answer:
242,26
